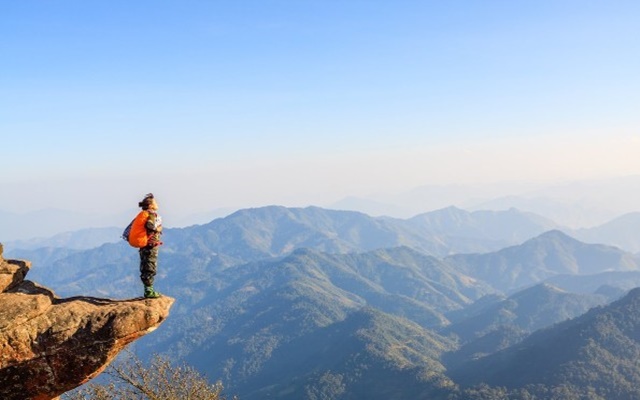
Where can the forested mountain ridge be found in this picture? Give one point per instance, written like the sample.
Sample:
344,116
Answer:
531,309
250,235
550,254
260,310
282,302
496,325
595,353
275,231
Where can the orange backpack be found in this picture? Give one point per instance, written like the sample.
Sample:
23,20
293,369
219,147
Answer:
138,234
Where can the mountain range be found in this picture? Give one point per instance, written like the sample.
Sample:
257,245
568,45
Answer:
593,355
294,303
621,232
82,239
572,205
575,205
39,226
531,309
550,254
452,229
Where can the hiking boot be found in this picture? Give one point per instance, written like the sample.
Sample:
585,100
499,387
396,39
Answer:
150,293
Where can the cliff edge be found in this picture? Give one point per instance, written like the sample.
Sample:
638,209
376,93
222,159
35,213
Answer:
50,345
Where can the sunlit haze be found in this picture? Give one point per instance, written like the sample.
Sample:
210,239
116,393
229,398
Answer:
232,104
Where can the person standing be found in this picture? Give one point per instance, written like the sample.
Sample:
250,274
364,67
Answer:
149,224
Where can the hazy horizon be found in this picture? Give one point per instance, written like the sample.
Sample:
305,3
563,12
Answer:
572,204
228,105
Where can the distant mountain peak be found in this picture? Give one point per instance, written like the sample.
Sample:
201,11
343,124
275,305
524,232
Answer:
549,254
538,290
553,237
556,234
451,211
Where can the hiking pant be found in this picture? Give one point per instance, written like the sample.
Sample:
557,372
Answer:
148,264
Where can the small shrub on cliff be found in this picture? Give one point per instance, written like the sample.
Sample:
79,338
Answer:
131,380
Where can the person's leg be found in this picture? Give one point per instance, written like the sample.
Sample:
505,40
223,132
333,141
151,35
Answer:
148,267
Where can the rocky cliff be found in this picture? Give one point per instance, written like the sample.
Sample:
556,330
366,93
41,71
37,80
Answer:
50,345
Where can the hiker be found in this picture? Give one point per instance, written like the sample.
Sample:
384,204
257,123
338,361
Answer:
150,225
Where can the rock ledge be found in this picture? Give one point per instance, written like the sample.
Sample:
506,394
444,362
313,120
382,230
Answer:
50,345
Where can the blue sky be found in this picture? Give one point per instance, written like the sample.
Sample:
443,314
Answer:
245,103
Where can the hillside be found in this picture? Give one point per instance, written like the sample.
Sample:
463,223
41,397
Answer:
596,352
255,234
620,232
368,355
529,310
274,231
284,303
612,284
257,311
550,254
498,325
479,231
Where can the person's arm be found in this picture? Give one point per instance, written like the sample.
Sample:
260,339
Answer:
151,223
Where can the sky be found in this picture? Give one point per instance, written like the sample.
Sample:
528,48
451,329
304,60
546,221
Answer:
243,103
